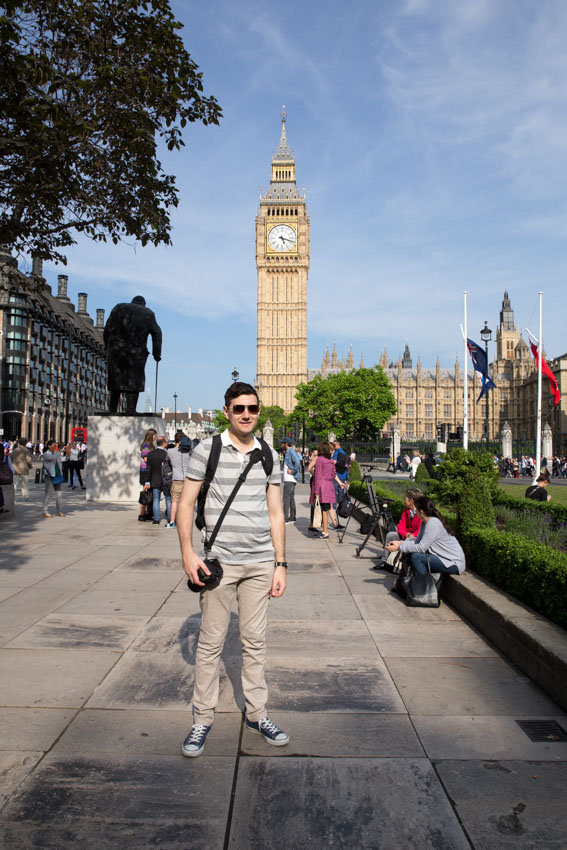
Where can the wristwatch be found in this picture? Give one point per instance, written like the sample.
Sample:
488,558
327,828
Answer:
281,564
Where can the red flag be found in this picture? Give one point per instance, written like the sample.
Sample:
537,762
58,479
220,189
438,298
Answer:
547,371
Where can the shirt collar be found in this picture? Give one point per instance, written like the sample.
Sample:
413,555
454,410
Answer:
226,441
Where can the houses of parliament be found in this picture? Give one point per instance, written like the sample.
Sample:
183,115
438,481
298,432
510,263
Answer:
424,397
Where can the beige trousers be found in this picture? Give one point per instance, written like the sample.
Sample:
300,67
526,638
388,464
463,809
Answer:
251,584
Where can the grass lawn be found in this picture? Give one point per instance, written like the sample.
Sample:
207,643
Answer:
558,494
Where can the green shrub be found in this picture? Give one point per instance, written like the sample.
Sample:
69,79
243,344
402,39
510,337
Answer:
534,525
358,491
453,470
422,475
529,571
474,508
354,471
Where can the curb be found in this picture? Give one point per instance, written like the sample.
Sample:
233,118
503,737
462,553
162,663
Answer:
535,644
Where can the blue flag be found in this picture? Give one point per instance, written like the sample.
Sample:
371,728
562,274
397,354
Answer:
480,363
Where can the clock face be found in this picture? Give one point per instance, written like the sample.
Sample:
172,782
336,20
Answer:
282,238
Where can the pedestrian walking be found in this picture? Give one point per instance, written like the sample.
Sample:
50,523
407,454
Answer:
290,477
53,478
21,463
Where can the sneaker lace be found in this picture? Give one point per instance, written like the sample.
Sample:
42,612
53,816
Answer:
196,733
268,726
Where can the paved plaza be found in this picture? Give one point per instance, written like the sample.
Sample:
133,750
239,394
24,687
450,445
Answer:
402,721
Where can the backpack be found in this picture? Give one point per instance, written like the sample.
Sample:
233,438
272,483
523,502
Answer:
341,461
213,462
167,472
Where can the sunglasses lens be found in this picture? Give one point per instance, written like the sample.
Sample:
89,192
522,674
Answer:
240,408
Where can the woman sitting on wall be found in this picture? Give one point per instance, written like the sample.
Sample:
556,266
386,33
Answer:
436,540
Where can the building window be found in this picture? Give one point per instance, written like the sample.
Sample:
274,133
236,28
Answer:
429,430
409,393
447,393
428,393
447,411
409,411
428,411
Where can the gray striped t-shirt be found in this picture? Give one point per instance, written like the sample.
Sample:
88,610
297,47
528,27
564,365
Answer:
244,536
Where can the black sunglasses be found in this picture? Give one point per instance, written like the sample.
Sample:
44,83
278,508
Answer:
240,408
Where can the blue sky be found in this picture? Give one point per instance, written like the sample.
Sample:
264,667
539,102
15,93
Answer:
430,136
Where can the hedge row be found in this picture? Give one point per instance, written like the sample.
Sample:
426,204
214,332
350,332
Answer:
529,571
558,512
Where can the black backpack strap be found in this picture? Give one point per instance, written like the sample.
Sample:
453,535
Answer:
267,457
212,464
254,458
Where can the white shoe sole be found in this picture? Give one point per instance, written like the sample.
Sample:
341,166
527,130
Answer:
266,739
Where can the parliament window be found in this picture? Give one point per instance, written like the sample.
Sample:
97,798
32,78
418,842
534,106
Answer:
428,411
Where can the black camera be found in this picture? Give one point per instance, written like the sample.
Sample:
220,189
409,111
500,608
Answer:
211,581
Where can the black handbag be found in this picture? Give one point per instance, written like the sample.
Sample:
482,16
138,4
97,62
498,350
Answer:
344,508
146,497
419,591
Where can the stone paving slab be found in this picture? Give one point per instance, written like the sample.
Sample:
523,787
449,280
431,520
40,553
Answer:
32,728
147,580
161,681
349,685
339,736
314,639
27,607
497,738
145,562
465,686
140,732
382,607
300,803
519,805
313,607
123,602
106,802
80,631
14,769
444,639
52,677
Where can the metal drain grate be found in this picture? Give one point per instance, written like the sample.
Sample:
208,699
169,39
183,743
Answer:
543,730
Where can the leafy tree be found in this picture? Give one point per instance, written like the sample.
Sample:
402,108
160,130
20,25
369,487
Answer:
355,405
89,88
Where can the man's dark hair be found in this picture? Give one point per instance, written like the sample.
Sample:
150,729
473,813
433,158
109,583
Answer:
178,436
239,388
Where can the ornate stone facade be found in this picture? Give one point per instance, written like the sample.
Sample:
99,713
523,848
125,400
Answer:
426,398
282,260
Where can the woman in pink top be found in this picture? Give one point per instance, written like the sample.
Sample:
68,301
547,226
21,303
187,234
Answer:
324,473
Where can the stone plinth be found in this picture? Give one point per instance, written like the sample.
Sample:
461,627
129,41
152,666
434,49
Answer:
114,455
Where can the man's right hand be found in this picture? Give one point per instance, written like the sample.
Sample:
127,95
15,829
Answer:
191,564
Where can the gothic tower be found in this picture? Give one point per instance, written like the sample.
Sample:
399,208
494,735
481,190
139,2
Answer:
507,332
282,260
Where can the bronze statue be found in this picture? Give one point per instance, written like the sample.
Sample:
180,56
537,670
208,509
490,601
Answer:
125,336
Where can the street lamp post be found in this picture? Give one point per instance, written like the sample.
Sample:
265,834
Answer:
47,405
235,376
486,336
175,397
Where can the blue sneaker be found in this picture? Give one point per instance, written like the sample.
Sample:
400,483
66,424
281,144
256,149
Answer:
269,731
194,743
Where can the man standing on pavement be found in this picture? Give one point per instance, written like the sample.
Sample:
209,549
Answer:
250,546
340,460
290,477
155,461
179,457
22,463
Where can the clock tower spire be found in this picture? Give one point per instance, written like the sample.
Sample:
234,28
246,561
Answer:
282,262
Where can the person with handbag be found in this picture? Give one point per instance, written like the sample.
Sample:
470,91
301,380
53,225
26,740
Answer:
407,528
53,478
234,479
75,467
324,474
435,549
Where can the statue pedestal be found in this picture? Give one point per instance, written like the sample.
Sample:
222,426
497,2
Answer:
113,456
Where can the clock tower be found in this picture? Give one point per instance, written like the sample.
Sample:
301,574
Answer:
282,260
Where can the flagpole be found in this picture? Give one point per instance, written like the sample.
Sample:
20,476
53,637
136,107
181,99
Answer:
465,385
539,371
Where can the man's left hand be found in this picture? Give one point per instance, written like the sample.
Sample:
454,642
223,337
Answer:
279,582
